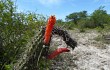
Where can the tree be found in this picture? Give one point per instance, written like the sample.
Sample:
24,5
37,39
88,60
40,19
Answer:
59,21
72,17
100,17
82,14
76,16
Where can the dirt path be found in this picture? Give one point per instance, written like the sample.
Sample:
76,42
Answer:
88,55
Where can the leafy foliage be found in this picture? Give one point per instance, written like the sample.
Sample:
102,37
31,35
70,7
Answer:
99,18
15,31
76,16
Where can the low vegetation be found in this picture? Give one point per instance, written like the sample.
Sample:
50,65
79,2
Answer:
17,28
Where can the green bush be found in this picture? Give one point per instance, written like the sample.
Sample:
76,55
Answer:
15,31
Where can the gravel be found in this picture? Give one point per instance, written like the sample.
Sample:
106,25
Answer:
88,55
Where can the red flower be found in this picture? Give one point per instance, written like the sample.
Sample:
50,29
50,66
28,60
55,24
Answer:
49,27
57,52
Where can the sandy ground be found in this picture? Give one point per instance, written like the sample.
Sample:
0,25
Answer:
88,55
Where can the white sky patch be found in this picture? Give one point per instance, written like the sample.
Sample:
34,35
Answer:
19,10
108,11
50,2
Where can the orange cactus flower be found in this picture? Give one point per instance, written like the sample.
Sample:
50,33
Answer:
49,27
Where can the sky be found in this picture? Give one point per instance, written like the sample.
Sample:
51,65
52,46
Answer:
60,8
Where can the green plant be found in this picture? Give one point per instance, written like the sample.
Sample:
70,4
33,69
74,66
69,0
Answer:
8,67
